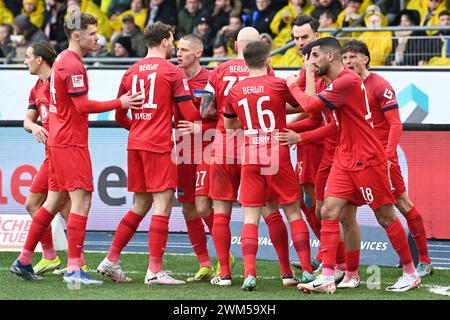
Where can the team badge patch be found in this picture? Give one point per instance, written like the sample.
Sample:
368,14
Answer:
78,81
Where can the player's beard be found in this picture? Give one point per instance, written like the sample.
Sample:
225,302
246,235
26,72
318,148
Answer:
323,70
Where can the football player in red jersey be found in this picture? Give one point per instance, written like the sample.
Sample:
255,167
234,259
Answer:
388,128
70,169
258,105
193,169
225,167
150,145
39,59
359,172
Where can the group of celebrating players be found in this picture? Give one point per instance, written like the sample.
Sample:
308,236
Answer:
232,134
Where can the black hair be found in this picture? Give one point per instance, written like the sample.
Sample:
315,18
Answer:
358,47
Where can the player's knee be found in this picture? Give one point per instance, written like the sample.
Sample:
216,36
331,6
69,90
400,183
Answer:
189,211
327,213
203,210
385,216
404,204
31,206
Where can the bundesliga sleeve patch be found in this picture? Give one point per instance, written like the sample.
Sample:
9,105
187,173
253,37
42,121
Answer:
78,81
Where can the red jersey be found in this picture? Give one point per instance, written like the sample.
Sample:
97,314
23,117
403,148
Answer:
260,105
163,84
38,100
381,99
357,146
68,126
196,88
221,80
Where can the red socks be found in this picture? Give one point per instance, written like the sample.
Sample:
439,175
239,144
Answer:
279,237
125,231
340,256
399,241
329,235
222,241
157,240
76,232
300,238
39,226
197,235
209,220
352,263
314,223
417,229
48,250
249,240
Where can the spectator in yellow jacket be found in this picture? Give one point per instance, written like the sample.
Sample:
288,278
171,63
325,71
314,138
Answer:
429,11
281,23
35,10
89,6
138,12
379,43
5,15
352,12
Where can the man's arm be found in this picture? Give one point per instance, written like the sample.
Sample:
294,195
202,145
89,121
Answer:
188,110
126,101
312,122
208,107
320,133
231,122
308,103
30,125
395,131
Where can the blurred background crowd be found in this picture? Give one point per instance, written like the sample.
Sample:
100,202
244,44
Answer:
217,22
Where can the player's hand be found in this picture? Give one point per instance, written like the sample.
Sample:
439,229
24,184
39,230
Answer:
132,101
291,79
188,127
288,138
39,133
309,66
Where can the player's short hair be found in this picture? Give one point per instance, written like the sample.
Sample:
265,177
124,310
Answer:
45,51
78,21
307,49
328,44
155,33
357,47
302,19
256,53
192,38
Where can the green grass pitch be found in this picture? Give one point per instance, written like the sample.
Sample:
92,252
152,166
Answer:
269,285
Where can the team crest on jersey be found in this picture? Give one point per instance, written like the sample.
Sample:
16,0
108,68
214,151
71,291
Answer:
185,84
330,87
388,94
198,93
78,81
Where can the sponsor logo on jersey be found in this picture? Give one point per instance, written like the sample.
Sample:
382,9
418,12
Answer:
78,81
330,87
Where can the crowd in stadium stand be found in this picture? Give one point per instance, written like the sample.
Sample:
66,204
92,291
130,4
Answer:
217,22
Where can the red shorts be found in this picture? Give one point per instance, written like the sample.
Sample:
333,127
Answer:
321,180
309,156
40,180
398,183
256,188
369,186
150,171
70,168
224,181
193,180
